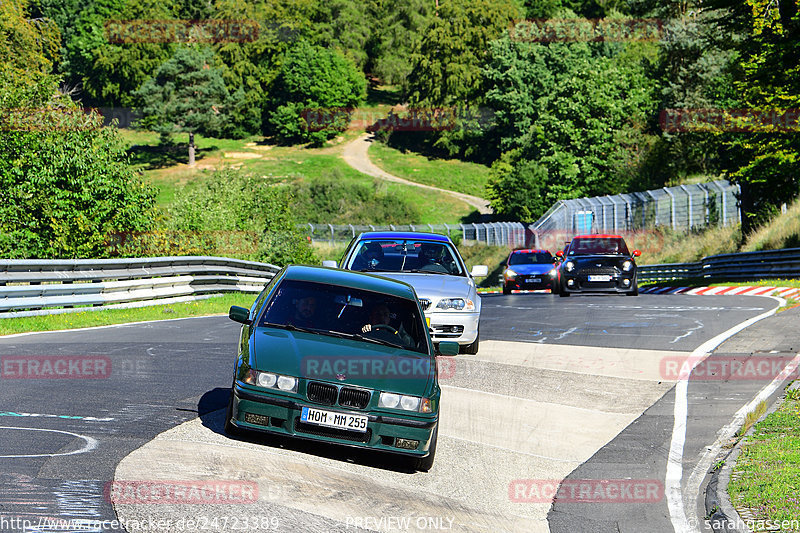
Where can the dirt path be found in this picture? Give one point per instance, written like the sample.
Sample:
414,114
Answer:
355,155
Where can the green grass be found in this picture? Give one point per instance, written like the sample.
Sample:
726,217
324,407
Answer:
781,232
765,478
168,173
211,306
450,174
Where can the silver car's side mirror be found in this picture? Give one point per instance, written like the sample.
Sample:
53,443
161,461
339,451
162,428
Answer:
479,271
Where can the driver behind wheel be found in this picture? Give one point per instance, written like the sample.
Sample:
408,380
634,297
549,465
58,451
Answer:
380,319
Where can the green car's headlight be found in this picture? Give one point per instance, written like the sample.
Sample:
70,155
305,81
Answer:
459,304
407,403
268,380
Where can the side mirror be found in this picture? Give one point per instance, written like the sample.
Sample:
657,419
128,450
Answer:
636,253
239,314
328,263
448,348
560,254
479,271
504,264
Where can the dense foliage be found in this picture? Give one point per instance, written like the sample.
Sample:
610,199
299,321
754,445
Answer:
561,117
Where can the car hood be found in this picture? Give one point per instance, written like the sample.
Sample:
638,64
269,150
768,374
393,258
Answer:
322,358
436,286
532,269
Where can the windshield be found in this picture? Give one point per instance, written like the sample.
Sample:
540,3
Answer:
598,245
530,258
406,255
344,312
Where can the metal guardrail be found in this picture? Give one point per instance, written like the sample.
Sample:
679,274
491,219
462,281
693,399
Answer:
36,286
743,266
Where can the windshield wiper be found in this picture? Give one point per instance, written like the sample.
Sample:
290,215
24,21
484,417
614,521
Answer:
360,337
418,271
290,327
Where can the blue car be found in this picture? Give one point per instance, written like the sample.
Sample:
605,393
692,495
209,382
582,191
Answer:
529,270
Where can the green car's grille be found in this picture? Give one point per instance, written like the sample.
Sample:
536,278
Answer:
353,398
329,394
321,393
333,433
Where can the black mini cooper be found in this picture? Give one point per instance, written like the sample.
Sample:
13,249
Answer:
598,263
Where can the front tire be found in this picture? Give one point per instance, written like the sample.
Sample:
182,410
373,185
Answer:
230,429
426,463
506,289
472,349
635,291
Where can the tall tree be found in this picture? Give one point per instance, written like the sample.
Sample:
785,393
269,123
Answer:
447,65
398,28
187,95
766,160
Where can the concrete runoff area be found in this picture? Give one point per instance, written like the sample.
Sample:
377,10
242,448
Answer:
488,439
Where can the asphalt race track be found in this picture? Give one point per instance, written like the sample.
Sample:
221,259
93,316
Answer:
576,389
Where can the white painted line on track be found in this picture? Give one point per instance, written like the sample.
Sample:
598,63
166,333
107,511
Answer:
728,431
90,445
672,481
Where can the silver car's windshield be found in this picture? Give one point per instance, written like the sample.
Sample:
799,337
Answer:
405,255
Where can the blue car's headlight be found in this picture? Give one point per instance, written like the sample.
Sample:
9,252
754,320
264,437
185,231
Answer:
268,380
510,273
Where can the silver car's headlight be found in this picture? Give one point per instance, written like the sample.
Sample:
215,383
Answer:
268,380
391,400
627,266
459,304
569,266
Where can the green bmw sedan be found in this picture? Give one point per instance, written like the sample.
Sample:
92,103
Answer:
341,357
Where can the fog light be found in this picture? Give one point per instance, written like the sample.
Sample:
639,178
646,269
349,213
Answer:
252,418
570,282
626,282
406,444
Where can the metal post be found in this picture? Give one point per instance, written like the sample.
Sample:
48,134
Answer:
655,200
671,208
724,203
447,228
691,213
331,228
463,232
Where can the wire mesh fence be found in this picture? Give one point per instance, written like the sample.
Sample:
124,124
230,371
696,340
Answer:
684,207
512,234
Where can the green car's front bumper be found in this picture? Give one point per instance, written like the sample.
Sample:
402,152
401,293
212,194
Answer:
262,411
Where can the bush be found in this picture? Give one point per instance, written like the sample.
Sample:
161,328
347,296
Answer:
312,78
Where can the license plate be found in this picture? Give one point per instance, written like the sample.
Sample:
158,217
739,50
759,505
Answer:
600,278
534,280
332,419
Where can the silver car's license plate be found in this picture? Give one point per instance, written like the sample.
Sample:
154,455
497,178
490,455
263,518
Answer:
332,419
